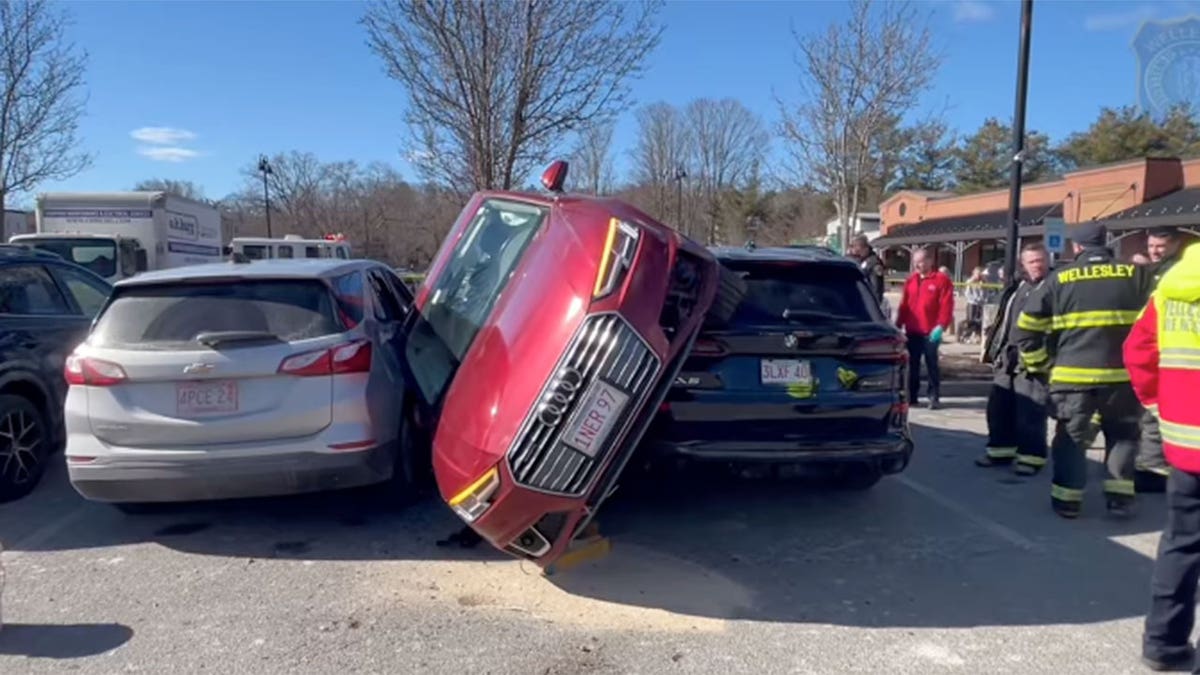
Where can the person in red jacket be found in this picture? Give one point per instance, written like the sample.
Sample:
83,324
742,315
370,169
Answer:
1162,355
926,313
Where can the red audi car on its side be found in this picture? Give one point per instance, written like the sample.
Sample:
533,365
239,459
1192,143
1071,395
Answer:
547,333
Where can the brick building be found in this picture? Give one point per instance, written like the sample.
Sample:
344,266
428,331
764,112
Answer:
971,230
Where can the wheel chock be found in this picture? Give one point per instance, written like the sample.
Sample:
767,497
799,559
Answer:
582,551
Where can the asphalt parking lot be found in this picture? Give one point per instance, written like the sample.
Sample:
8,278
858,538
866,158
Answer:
947,568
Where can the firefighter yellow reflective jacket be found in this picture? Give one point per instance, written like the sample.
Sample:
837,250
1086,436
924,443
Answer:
1074,325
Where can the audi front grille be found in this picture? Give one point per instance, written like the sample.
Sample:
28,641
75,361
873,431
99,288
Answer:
605,349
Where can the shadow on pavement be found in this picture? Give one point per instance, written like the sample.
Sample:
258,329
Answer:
62,641
939,546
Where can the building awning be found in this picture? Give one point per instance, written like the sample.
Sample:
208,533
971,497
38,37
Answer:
1180,208
987,225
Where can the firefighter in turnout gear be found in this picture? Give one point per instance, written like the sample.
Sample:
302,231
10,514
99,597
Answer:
1072,331
1016,407
1162,354
1163,244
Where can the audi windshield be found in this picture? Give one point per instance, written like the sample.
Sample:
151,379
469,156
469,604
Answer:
463,295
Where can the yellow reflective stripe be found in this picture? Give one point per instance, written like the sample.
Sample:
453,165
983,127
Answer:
1064,494
1031,460
1033,323
1183,435
1035,357
1183,358
1178,363
1152,409
1095,319
1074,375
1096,418
1001,453
1119,487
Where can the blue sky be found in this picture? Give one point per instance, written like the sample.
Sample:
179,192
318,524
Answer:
217,83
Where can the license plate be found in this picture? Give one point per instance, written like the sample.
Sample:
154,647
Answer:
206,398
786,371
598,412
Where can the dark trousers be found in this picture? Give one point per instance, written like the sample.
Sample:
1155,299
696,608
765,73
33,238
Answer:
1150,451
1016,417
1120,413
921,347
1176,572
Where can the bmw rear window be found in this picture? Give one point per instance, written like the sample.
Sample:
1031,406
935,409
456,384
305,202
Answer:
171,316
784,292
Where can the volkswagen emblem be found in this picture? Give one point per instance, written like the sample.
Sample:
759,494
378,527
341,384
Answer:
791,341
559,395
198,369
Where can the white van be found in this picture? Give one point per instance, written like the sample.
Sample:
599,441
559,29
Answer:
290,246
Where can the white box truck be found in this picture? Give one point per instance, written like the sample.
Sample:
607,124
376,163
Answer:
118,234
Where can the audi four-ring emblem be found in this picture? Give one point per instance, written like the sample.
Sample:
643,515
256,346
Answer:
559,396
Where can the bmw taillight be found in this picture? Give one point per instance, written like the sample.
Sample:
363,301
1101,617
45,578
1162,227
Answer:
81,370
349,357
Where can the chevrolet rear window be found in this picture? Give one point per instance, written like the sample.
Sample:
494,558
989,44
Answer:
171,316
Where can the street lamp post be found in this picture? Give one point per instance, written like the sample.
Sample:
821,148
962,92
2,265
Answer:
1014,199
680,174
264,167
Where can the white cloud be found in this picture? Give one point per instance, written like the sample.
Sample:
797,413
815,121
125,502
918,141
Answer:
167,153
162,135
1119,20
973,11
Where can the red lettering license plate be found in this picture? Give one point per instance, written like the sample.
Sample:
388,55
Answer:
786,371
194,399
593,422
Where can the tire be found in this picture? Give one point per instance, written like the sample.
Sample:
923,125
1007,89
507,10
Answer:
730,291
412,471
24,445
857,477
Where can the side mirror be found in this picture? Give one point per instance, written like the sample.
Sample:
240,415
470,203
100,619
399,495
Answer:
142,263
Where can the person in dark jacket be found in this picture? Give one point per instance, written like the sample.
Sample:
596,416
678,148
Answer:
869,263
1016,407
1072,330
1163,245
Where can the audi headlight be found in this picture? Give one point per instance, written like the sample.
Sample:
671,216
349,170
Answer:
477,497
619,250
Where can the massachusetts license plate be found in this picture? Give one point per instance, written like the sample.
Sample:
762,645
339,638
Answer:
598,412
193,399
786,371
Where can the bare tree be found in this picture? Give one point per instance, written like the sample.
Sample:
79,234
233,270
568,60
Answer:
728,143
592,158
495,85
660,156
41,99
182,188
857,76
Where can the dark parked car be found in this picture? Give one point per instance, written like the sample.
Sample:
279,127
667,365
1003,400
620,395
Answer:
803,369
46,307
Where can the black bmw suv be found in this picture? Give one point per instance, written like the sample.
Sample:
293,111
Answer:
46,307
802,367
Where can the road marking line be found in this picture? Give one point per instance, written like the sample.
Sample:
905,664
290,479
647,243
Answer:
1006,533
14,550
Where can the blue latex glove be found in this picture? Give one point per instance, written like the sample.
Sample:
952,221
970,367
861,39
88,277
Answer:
936,335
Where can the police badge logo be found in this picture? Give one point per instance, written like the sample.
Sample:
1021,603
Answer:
1168,54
